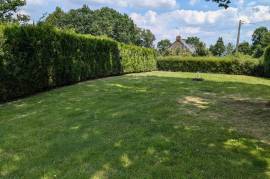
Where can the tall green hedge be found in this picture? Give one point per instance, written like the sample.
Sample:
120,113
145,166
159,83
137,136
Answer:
211,65
267,61
137,59
40,57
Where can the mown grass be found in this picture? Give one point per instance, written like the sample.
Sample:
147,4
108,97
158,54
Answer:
149,125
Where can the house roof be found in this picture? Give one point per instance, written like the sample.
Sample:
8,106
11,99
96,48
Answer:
183,44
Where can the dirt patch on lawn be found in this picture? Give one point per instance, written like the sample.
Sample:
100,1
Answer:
249,116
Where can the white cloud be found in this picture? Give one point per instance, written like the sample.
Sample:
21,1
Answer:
193,2
190,17
152,4
208,25
241,2
259,14
34,2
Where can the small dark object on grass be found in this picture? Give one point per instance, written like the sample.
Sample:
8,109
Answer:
197,79
268,104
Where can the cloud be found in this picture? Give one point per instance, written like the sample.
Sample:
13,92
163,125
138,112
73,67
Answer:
241,2
35,2
208,25
193,2
152,4
259,14
190,17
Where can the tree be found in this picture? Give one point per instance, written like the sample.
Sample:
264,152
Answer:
229,49
102,22
56,18
163,46
258,34
266,39
200,47
222,3
257,41
9,9
146,38
193,41
245,48
219,48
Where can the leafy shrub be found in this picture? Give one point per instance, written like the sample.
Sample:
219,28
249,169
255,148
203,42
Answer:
137,59
267,61
209,64
40,57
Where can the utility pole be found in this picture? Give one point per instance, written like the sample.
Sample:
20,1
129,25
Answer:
238,35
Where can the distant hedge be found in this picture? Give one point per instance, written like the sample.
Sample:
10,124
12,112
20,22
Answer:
36,58
267,61
210,65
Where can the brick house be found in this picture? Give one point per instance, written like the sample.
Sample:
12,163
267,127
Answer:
180,47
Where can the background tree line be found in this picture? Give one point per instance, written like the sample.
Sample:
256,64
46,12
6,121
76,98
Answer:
102,22
260,40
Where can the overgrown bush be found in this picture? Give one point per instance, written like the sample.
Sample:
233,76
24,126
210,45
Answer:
267,61
209,65
41,57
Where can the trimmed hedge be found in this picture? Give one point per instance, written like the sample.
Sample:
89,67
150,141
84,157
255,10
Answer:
37,58
137,59
267,61
211,65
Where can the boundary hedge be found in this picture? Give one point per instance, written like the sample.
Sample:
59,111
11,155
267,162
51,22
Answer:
267,61
37,58
211,65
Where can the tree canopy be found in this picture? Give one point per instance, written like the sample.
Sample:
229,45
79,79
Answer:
259,41
9,9
219,48
229,49
163,46
104,21
222,3
200,46
245,48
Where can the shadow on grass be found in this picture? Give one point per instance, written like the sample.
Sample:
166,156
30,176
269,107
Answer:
138,127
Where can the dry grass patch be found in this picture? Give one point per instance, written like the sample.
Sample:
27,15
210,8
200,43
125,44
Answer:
194,101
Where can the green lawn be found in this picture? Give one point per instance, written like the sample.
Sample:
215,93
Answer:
148,125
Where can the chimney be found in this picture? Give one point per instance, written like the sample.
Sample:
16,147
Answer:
178,38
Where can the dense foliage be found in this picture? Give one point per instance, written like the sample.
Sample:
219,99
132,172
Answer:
200,46
137,59
229,49
245,48
222,3
163,47
9,9
219,48
267,61
41,57
259,41
104,21
211,65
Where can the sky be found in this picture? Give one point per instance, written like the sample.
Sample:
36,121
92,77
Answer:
169,18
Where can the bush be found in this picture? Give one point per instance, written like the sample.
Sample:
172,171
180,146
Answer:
267,61
37,58
209,65
137,59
